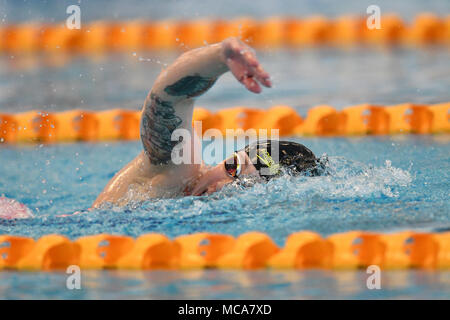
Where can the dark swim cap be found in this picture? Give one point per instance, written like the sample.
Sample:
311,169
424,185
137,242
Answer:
294,157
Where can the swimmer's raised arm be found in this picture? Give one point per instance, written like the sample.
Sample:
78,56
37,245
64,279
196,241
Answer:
169,104
168,107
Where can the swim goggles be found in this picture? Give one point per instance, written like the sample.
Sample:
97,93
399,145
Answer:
233,166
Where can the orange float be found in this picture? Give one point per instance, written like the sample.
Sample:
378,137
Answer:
399,118
118,124
303,250
35,126
423,250
321,120
282,118
160,35
269,33
57,38
21,38
440,117
426,28
103,250
356,249
93,38
421,119
74,125
347,31
12,249
236,118
311,31
151,251
125,36
203,250
443,255
8,128
364,119
204,116
252,250
121,124
446,33
293,32
246,28
409,117
392,31
51,252
272,32
397,255
223,29
193,34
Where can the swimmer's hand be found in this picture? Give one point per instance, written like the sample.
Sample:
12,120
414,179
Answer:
242,62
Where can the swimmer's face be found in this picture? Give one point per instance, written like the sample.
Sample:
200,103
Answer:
237,165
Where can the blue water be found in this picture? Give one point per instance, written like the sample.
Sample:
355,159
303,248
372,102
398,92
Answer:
381,184
376,183
301,79
213,284
55,10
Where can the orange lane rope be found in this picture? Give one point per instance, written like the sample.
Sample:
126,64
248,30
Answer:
119,124
273,32
252,250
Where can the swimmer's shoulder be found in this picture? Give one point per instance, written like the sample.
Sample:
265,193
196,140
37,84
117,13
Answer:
136,171
140,180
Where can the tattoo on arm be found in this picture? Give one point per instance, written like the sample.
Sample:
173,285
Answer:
159,119
157,124
190,86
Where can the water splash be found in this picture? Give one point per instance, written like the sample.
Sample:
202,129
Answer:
342,180
11,209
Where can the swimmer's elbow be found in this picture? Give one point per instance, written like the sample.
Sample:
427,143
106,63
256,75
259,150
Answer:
191,75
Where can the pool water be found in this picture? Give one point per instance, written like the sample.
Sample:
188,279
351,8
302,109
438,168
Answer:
213,284
375,183
301,79
383,184
380,184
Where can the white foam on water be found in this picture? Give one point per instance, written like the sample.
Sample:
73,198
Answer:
12,209
343,179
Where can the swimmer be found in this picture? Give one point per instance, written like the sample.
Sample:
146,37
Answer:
169,106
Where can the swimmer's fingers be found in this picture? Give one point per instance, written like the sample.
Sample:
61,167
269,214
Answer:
243,75
251,85
255,68
242,62
262,76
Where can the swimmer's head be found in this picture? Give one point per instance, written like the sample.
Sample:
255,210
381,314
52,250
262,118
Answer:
263,159
271,158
